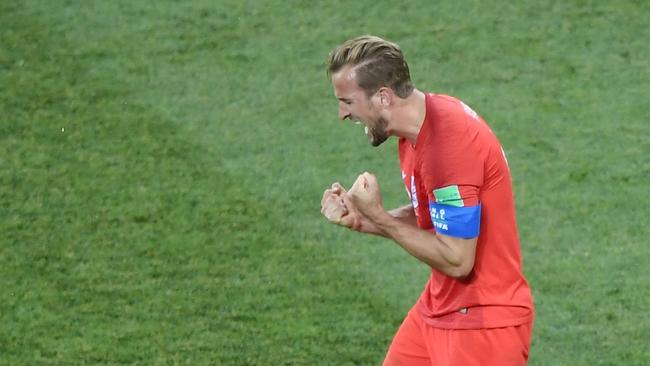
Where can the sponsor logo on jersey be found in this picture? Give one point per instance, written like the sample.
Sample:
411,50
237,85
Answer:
414,193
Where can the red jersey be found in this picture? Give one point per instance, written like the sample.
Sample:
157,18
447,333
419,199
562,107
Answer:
459,183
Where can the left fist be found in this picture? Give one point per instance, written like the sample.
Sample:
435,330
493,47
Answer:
365,195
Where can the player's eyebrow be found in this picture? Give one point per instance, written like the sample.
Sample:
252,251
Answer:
344,99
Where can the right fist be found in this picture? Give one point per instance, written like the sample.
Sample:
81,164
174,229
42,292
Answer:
337,209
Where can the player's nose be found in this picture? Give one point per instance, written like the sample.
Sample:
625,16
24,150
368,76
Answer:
343,112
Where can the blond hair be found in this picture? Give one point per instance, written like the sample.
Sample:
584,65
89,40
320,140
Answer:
377,63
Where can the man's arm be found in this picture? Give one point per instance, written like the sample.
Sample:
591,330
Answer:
450,255
404,215
337,208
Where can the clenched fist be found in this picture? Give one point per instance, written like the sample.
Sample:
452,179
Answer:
366,196
337,208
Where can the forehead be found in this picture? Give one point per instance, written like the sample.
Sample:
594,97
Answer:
345,82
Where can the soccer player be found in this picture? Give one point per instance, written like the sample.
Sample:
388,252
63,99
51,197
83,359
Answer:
476,308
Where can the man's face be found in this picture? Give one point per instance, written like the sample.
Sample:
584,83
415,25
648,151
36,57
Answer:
355,105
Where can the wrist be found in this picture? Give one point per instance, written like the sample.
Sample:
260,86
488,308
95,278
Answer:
357,224
379,217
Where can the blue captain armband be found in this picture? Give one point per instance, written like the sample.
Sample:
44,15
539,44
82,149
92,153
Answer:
459,222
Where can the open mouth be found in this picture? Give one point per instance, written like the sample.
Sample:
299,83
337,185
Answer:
366,130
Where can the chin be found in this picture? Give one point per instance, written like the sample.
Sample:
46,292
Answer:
378,141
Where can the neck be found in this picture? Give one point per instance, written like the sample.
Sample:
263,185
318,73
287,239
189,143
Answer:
408,115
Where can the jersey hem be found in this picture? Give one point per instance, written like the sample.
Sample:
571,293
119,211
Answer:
473,324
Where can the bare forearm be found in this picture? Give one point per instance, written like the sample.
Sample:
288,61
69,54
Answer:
454,257
450,255
404,214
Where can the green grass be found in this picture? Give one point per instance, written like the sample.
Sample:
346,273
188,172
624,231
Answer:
161,167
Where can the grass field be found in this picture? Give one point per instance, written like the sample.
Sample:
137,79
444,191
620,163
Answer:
162,163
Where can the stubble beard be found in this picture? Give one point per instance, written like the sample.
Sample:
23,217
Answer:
378,132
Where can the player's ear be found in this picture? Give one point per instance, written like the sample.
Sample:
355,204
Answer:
385,96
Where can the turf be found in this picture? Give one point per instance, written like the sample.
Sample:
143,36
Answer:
161,167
